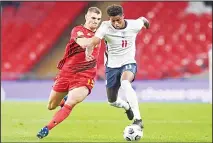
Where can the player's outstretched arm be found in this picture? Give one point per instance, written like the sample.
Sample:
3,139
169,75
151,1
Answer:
89,44
146,22
83,41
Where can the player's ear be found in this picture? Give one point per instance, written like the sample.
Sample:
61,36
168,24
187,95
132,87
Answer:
123,16
85,16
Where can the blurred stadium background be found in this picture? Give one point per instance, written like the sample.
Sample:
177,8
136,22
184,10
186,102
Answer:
174,57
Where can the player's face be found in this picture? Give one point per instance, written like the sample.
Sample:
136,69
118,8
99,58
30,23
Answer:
93,19
117,21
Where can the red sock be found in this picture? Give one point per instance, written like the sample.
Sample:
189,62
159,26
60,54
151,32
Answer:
62,114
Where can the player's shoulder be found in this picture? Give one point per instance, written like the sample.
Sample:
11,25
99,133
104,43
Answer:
77,31
132,21
78,27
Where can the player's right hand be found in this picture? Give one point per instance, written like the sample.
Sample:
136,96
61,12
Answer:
88,55
89,58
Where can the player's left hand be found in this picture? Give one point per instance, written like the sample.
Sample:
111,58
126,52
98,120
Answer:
146,23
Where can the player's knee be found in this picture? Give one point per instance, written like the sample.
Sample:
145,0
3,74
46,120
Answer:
77,95
73,101
51,107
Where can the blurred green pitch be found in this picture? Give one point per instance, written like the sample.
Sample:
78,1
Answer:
99,122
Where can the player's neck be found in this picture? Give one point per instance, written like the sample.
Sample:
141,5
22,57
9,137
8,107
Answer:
89,28
124,25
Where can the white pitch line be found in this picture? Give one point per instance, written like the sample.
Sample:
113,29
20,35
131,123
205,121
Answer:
112,121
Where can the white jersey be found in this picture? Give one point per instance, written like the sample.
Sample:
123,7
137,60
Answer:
120,43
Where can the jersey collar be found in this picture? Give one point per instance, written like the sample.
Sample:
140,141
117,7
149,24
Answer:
88,29
123,27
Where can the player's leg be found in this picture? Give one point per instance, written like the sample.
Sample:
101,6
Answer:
61,104
112,88
115,101
55,99
75,96
60,88
127,76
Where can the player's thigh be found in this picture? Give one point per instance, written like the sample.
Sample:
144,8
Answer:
55,98
112,77
112,83
77,95
60,88
112,93
128,72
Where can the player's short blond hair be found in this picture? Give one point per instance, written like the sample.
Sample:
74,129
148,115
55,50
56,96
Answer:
94,9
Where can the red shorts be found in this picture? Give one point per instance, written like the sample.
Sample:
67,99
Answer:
65,82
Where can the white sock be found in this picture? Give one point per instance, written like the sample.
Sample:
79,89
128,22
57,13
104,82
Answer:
131,98
119,103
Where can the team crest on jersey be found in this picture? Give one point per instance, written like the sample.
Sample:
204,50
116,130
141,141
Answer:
80,33
88,34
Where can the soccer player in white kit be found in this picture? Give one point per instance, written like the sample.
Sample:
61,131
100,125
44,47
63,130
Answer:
119,35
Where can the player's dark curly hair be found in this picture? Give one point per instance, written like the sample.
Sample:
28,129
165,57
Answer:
114,10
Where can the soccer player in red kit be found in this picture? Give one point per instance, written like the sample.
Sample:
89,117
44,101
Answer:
76,75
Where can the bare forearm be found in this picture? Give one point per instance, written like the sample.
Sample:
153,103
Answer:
86,42
83,41
89,44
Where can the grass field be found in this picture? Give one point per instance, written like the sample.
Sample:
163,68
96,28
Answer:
98,122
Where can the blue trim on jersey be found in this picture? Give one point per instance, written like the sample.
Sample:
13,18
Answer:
113,75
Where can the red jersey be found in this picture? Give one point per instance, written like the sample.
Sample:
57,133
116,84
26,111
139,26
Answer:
74,57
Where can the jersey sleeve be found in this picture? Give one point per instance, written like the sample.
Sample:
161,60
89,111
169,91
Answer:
76,32
73,34
101,31
139,24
